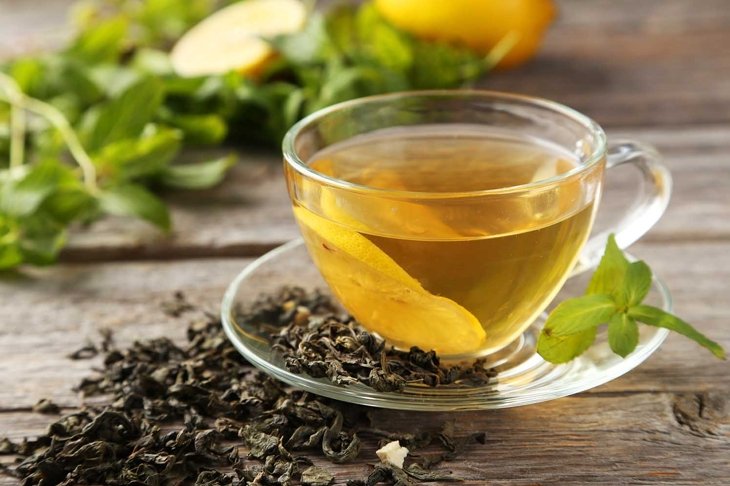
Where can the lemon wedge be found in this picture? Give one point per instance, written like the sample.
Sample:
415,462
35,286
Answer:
374,215
233,37
383,296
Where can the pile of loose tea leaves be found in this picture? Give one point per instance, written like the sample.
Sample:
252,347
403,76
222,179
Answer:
198,413
315,338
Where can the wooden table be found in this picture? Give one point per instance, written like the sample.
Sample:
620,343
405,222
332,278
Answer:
657,70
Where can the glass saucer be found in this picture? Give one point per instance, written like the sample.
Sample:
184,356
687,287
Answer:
523,376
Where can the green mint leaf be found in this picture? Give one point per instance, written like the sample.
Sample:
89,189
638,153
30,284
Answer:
381,42
293,106
124,116
73,79
152,61
162,21
70,199
22,197
101,42
307,46
54,77
68,204
30,74
342,30
561,349
10,255
266,104
579,314
340,84
134,158
657,317
391,48
41,239
608,278
439,65
208,129
623,334
114,79
614,294
637,282
197,176
135,200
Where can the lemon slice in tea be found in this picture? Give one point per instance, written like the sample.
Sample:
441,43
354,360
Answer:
383,296
377,215
233,37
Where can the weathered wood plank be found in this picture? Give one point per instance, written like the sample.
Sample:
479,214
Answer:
644,438
48,313
644,16
630,78
654,63
250,212
632,63
29,26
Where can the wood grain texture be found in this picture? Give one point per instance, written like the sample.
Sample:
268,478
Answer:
628,63
30,26
49,313
643,438
655,70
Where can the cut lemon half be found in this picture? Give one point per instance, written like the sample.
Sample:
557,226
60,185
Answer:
233,37
478,24
383,296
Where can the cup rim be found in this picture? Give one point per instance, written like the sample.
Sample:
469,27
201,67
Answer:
294,161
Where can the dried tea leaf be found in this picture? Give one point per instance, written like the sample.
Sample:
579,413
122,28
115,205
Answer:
7,446
46,406
384,473
176,413
316,476
313,338
337,446
427,476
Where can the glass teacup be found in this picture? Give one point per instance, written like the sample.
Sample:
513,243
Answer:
449,220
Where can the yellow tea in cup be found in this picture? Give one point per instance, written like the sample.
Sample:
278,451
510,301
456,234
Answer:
421,265
449,220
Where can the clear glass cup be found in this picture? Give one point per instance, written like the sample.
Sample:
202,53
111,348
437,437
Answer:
351,228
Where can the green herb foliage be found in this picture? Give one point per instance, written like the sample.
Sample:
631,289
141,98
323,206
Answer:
98,127
614,297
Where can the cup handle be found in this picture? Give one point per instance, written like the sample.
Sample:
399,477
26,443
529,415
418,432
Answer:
649,206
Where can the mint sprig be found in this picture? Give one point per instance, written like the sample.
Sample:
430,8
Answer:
102,125
614,296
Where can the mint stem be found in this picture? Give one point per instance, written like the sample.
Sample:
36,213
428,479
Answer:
14,97
20,101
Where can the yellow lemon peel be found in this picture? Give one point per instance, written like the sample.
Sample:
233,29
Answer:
478,24
383,296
